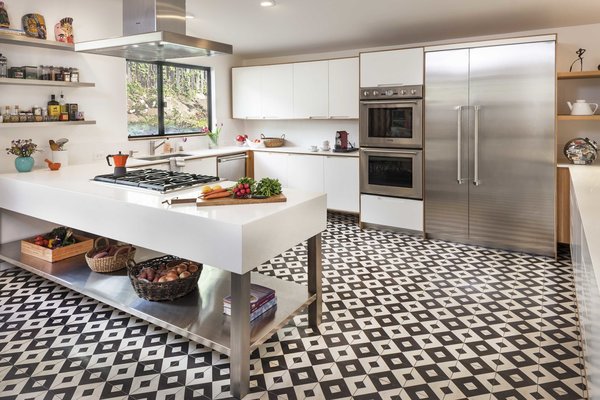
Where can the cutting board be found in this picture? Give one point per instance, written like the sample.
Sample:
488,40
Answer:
229,201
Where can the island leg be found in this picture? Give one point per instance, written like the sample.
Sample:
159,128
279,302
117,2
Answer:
239,367
315,272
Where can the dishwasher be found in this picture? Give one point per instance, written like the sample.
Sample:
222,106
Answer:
232,167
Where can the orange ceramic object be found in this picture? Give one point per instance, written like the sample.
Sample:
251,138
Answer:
54,166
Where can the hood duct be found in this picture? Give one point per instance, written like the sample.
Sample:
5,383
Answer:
154,30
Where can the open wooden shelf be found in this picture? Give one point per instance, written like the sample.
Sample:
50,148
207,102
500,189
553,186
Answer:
22,40
579,117
39,82
42,124
197,316
578,75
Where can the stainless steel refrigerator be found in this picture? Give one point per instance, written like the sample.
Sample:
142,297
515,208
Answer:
490,146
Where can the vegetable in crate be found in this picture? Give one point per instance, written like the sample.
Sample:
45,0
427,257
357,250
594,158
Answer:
268,187
59,237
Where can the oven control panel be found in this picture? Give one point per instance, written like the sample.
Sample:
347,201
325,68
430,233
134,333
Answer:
391,92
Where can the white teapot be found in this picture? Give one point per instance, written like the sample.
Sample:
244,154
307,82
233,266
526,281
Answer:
582,108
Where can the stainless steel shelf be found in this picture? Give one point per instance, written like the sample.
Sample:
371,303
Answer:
22,40
197,316
39,82
42,124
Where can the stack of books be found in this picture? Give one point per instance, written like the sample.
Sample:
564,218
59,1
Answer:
262,299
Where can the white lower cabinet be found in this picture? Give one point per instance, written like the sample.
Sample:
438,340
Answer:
305,172
341,183
392,211
203,166
337,176
271,165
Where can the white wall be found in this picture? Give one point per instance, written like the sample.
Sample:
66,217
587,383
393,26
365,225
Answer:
569,40
105,103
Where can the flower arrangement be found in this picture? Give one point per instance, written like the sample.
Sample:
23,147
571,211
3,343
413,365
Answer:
22,148
214,135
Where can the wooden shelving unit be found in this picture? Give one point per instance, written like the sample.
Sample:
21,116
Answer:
22,40
579,117
38,82
578,75
43,124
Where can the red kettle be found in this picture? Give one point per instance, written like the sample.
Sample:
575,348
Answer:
120,161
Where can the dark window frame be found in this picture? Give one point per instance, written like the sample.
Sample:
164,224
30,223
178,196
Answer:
161,102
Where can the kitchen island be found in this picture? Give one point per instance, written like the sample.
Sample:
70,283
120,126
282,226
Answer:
585,255
230,241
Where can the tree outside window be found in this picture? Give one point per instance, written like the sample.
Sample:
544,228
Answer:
167,99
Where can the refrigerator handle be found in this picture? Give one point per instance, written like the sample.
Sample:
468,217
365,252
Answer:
459,178
476,180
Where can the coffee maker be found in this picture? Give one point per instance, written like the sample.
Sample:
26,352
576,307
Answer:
341,143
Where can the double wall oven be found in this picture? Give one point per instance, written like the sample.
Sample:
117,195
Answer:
391,141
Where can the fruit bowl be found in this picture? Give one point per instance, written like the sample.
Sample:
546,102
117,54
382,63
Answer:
256,143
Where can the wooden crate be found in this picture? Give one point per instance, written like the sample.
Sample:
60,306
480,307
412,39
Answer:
83,245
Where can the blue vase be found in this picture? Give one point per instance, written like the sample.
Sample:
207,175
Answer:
24,164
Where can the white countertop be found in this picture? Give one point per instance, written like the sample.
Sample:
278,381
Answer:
234,238
304,150
134,162
585,180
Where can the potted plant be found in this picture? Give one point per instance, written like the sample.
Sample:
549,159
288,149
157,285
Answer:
23,149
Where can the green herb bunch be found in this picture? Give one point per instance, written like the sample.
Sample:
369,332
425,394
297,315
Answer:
22,148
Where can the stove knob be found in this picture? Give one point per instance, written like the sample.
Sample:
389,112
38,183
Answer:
389,92
413,92
366,93
375,92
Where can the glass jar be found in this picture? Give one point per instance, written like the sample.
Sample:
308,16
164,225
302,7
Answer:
74,75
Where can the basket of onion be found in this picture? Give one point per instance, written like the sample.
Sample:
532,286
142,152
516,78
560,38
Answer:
106,257
163,278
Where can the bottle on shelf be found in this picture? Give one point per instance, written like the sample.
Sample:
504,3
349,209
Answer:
3,67
53,109
64,109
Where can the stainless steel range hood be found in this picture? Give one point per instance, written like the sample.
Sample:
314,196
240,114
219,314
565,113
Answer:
154,30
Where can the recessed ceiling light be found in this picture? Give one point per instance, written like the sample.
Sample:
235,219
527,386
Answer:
267,3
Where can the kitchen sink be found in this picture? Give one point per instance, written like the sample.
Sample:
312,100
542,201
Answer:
163,156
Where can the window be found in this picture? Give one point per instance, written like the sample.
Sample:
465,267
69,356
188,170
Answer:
167,99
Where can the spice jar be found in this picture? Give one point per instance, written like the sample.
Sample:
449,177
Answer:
3,67
74,75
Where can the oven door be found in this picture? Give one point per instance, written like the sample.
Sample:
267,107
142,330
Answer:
394,123
397,173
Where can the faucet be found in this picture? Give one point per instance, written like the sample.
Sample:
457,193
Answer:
153,146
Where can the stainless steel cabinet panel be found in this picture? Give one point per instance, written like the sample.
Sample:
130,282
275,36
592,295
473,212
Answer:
512,94
447,90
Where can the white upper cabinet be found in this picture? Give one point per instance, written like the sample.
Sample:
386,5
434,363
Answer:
392,68
277,88
263,92
316,89
343,88
311,92
246,93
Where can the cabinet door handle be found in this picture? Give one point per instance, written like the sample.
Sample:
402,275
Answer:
459,178
476,180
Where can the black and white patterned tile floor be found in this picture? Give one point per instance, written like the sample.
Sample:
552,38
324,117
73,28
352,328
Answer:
404,318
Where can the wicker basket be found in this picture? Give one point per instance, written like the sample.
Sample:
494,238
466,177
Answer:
273,142
108,264
156,291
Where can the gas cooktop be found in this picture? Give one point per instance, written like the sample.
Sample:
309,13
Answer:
157,180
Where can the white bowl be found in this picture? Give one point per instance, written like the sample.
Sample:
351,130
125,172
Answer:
254,145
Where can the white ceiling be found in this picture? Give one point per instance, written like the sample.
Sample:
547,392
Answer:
312,26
